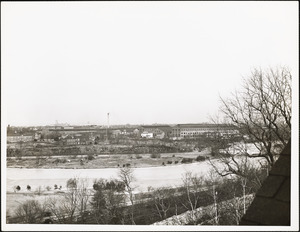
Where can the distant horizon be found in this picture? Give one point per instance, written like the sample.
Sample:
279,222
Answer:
94,124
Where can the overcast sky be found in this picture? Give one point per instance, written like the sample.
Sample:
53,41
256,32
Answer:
144,62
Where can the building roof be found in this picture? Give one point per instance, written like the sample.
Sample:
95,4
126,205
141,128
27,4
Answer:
127,129
204,125
146,132
78,129
271,205
156,126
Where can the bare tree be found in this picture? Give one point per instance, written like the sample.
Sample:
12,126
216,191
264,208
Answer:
193,185
162,198
212,181
127,177
61,209
31,211
252,174
231,209
262,110
239,180
72,204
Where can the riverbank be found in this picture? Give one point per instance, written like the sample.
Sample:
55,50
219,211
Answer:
104,161
144,177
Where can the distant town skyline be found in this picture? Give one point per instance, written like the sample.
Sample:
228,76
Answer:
143,62
105,125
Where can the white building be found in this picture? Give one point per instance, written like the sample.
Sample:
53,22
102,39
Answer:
195,130
147,135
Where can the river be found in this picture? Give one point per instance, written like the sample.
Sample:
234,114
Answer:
170,176
145,177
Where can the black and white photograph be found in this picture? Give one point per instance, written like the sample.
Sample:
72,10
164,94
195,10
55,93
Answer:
150,116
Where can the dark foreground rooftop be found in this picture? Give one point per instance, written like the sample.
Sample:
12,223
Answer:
271,205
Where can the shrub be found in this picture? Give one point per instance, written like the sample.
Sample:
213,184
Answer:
169,162
138,156
200,158
176,161
48,188
186,160
17,188
163,163
112,184
28,187
154,156
173,155
90,157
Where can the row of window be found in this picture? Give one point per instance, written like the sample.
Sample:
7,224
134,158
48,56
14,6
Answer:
188,133
199,129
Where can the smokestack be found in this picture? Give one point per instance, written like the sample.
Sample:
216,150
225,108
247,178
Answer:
107,120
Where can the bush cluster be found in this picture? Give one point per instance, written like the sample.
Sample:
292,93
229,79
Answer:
187,160
200,158
90,157
60,161
114,184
